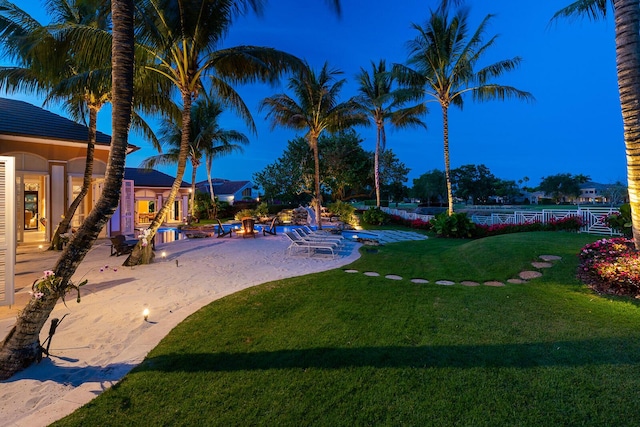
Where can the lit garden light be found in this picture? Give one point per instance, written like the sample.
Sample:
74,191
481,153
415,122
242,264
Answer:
145,314
163,255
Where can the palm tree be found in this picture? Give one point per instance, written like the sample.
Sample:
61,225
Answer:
21,347
181,39
317,109
382,102
443,60
626,15
208,140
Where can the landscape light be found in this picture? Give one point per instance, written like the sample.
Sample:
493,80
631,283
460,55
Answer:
164,255
145,313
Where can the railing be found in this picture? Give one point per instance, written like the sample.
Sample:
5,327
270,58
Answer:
593,219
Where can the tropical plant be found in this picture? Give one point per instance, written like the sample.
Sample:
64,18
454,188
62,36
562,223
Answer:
346,211
21,346
626,14
383,103
181,40
443,59
621,222
316,109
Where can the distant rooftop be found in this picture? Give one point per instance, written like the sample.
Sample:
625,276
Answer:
151,178
222,186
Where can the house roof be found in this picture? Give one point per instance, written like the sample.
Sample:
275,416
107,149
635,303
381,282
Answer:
151,178
23,119
222,186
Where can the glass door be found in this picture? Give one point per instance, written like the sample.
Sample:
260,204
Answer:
30,210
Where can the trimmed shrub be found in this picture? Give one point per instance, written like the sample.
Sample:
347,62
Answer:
457,225
244,213
375,216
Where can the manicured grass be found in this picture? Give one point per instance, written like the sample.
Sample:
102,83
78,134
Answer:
338,349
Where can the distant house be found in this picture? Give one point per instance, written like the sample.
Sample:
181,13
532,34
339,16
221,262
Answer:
593,192
50,154
151,188
229,191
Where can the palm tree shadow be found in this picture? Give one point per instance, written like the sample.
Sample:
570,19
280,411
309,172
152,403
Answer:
527,355
48,370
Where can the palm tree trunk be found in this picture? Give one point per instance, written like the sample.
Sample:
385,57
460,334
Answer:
214,205
316,160
192,211
627,25
447,165
21,347
144,254
64,225
376,166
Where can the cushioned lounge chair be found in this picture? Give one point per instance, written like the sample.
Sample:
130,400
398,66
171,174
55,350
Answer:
221,232
317,237
272,227
248,227
309,248
120,245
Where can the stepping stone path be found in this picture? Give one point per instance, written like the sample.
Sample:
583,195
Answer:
523,276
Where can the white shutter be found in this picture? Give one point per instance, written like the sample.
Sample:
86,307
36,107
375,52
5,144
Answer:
7,229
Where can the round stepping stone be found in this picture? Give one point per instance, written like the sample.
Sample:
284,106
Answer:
445,282
371,274
542,264
527,275
550,257
469,283
493,283
516,281
419,281
351,271
392,277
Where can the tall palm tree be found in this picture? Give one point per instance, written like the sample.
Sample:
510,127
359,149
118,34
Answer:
382,102
443,60
208,140
21,347
626,14
316,109
182,41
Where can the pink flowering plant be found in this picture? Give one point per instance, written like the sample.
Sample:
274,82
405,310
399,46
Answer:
50,284
611,266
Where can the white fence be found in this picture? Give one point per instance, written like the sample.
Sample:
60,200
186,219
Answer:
593,219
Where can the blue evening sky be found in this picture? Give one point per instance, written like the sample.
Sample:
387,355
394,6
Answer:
573,126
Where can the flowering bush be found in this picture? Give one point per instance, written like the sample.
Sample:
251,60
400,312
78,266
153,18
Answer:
52,285
621,222
568,223
611,266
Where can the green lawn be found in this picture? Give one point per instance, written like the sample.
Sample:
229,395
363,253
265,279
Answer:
338,349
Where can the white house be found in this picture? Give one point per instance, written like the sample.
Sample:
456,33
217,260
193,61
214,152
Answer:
229,191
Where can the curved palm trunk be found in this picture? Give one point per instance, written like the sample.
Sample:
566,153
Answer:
21,347
65,224
144,254
316,160
213,196
376,165
627,25
447,166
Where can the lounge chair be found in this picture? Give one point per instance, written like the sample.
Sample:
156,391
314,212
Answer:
324,233
308,247
120,245
221,232
272,227
320,237
248,227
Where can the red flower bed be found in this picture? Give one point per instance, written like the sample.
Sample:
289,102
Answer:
611,266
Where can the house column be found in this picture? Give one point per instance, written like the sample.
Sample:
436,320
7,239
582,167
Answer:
57,192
